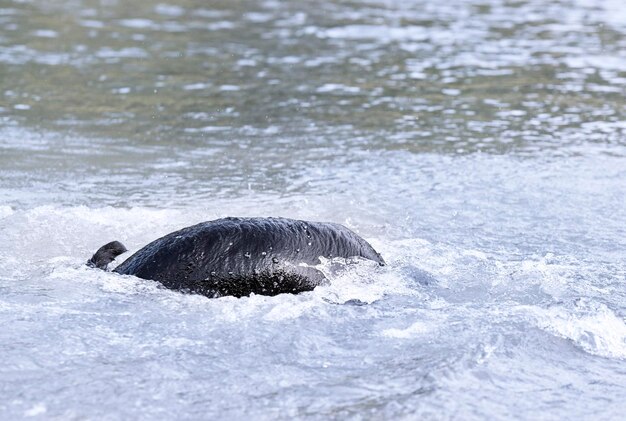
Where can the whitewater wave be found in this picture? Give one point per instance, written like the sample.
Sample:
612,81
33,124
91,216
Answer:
590,325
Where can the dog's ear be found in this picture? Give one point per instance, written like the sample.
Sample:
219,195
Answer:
106,254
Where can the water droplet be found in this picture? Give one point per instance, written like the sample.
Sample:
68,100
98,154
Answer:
274,260
263,253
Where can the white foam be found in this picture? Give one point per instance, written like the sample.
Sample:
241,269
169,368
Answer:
37,409
169,10
359,280
379,33
415,329
6,211
137,23
290,310
589,325
46,33
338,87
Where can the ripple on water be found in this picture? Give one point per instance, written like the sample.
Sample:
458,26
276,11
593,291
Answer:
478,145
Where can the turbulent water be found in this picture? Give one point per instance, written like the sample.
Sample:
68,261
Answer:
480,146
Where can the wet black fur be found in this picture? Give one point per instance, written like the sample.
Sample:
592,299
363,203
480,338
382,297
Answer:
106,254
240,256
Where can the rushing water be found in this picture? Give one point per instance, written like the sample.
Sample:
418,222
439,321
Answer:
479,145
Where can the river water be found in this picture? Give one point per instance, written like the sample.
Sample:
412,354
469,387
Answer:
479,145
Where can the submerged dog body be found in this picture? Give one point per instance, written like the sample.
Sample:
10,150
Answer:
240,256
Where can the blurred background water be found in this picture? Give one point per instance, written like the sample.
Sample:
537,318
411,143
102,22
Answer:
479,145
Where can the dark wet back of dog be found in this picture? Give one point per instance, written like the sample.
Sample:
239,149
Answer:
240,256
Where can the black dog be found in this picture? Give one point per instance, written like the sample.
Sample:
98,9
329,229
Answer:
240,256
